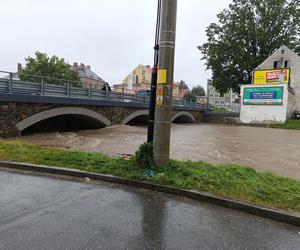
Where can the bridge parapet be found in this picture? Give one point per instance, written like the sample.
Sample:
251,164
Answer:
39,87
24,104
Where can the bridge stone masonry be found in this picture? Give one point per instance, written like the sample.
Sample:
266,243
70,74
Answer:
40,106
19,114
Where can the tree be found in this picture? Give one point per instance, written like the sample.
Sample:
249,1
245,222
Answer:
196,91
182,85
53,67
297,49
247,33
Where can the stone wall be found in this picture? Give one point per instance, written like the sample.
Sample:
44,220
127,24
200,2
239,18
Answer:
221,118
12,113
196,114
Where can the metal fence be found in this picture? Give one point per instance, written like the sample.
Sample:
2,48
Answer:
11,84
235,108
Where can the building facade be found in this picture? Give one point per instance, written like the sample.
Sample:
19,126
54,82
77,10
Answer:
215,99
286,58
139,78
182,90
202,100
88,78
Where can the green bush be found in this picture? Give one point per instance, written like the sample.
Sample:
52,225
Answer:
143,158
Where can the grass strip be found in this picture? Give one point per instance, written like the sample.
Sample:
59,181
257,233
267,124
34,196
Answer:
228,180
290,124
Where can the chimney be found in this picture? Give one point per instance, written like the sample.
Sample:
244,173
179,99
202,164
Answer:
19,67
88,67
75,67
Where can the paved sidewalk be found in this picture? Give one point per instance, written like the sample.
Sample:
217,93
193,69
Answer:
48,213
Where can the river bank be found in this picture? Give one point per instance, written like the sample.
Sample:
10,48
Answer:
264,149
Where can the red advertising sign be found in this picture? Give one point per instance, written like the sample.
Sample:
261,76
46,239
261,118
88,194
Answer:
274,76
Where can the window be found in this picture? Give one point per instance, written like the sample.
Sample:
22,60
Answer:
276,64
216,95
211,95
287,64
282,52
216,102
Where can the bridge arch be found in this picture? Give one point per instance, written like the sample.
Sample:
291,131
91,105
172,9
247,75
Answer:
88,114
183,117
140,116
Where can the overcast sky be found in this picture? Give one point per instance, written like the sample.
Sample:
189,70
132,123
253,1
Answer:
113,36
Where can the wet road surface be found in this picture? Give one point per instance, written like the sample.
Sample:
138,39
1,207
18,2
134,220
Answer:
275,150
39,212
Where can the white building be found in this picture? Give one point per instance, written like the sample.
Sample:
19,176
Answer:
286,58
230,99
274,95
273,108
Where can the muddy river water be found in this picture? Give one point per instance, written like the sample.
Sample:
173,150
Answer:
262,148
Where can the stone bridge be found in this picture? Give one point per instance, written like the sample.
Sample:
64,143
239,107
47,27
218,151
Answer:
24,114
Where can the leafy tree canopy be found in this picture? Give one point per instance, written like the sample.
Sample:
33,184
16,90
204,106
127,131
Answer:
53,67
196,91
297,49
246,34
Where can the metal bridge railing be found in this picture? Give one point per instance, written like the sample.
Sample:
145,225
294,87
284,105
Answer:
10,83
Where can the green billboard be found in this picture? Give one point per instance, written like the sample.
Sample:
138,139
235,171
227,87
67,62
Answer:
263,96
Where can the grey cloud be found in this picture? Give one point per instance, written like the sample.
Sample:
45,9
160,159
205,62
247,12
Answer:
112,36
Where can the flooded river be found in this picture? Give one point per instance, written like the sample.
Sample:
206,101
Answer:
265,149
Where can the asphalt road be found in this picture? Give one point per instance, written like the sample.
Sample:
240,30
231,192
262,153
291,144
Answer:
43,212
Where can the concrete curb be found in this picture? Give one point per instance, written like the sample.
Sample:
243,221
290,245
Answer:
277,215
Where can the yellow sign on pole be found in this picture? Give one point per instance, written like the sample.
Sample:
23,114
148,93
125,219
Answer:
271,76
159,96
162,76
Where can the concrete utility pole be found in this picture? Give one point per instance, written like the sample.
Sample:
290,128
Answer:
163,112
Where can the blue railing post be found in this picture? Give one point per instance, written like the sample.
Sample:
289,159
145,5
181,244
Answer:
106,93
90,92
68,89
50,89
42,87
10,80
